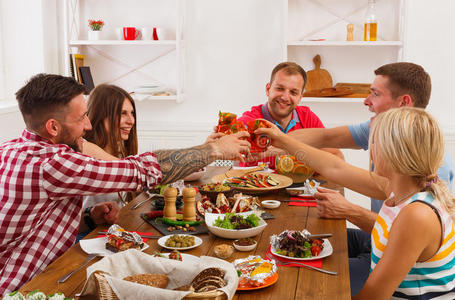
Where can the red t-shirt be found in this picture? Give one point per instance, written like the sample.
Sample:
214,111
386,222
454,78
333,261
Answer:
302,116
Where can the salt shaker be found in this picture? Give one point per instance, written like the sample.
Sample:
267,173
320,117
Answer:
170,196
189,204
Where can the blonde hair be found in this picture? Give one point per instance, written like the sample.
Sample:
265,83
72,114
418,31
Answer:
409,141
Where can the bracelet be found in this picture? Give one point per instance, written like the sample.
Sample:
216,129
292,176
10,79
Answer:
88,219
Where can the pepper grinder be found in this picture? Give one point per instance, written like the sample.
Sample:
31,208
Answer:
170,196
189,204
350,36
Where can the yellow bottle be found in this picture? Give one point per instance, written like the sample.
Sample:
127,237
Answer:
370,28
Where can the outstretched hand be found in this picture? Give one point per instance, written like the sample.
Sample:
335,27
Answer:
105,212
273,132
213,137
331,204
233,146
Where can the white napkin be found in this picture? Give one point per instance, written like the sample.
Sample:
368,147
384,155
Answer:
132,262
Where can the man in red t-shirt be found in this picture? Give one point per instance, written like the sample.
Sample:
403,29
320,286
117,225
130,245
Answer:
284,93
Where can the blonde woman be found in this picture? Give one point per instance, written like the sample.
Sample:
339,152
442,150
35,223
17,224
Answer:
415,256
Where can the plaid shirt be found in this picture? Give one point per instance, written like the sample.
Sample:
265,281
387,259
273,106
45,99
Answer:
41,189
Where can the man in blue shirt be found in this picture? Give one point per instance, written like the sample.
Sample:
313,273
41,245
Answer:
395,85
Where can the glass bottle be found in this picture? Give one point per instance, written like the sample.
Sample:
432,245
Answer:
371,23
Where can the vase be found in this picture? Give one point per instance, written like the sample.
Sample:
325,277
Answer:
94,35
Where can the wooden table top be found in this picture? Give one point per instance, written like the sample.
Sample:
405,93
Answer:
293,282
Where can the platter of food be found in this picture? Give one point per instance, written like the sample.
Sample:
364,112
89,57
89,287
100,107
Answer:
255,273
223,204
255,183
179,242
116,240
294,245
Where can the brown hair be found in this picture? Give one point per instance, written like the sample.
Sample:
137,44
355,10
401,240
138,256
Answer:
105,102
289,68
407,78
46,96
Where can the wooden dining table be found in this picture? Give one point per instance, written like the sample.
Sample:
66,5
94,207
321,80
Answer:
292,283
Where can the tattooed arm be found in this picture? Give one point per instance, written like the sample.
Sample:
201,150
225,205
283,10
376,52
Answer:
177,164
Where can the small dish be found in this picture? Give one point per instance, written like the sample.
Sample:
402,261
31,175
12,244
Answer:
228,192
244,247
162,243
271,204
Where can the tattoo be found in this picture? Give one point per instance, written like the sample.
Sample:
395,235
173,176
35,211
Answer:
177,164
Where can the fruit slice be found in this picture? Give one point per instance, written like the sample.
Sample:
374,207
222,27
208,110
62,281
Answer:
286,164
301,169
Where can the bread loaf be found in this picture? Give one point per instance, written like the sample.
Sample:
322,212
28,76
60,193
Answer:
155,280
209,279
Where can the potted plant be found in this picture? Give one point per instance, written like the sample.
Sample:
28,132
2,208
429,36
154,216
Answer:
95,28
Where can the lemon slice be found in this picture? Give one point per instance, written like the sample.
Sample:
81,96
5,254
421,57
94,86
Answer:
286,164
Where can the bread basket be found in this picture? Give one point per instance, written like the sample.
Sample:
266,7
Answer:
105,291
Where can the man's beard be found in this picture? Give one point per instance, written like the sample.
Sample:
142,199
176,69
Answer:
68,140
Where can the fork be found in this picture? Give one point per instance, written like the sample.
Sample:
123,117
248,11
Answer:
143,201
285,263
90,257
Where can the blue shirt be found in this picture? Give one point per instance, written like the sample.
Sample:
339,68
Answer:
295,118
361,133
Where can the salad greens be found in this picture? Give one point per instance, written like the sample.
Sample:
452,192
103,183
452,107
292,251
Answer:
233,221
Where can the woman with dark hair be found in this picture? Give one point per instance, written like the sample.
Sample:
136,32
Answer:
112,112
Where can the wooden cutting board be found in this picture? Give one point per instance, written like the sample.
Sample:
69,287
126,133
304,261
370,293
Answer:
359,90
329,92
318,78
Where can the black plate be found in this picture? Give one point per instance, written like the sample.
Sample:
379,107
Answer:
158,203
162,228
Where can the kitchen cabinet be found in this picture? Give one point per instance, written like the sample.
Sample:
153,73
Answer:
320,27
134,63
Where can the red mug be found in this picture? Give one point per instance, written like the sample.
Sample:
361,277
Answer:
130,33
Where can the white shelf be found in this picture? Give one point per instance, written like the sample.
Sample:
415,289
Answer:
330,100
118,42
141,97
345,43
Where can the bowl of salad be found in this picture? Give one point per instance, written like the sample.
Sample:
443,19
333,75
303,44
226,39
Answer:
235,225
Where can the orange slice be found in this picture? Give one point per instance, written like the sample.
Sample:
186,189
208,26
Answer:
301,169
286,164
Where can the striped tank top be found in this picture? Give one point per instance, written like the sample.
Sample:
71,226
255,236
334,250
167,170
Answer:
432,279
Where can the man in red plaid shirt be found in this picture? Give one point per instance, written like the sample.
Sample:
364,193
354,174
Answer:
43,177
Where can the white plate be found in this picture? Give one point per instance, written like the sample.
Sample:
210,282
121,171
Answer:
162,242
327,251
187,258
98,246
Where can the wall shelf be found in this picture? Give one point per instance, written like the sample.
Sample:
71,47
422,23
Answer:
330,100
145,97
120,42
129,63
345,43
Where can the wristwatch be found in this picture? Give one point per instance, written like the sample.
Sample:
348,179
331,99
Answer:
88,218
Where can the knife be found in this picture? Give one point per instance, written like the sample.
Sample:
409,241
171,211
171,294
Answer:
303,200
141,235
320,235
